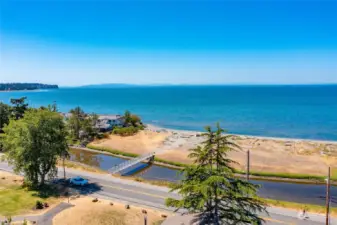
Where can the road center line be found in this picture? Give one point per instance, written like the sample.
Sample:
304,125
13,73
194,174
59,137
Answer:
277,221
159,196
137,192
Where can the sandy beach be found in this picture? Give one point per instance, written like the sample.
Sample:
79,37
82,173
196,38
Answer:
267,154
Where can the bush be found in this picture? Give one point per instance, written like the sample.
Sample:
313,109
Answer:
100,136
39,205
125,131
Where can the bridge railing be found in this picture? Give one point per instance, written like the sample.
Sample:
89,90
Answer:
131,162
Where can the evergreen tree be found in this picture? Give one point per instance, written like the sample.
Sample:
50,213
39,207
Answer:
19,107
209,188
75,122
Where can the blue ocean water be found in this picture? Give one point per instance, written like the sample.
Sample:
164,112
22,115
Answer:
308,112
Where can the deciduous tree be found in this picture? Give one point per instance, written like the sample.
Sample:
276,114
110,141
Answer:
34,143
5,112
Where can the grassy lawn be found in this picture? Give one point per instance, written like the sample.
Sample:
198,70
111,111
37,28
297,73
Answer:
16,200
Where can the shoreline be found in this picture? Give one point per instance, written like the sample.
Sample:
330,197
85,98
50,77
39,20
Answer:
156,128
285,157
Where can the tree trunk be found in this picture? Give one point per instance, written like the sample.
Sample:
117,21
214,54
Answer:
64,169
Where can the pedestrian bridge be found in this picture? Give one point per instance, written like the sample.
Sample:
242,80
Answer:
132,162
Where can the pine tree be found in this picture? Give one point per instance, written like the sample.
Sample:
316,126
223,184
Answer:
209,188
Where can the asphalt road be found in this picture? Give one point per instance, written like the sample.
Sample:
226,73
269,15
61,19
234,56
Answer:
135,193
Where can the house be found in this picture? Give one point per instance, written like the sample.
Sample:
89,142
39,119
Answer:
66,116
108,122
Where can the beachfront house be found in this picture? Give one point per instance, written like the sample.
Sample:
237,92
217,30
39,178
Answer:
108,122
66,116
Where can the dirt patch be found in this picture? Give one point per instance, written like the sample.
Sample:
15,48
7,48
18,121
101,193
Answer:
8,179
102,213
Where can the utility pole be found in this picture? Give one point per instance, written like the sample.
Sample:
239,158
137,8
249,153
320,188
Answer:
248,164
327,198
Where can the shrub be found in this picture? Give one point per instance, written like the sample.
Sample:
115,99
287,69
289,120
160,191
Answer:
100,136
125,131
39,205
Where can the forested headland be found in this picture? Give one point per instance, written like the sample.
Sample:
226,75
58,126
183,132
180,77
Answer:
26,86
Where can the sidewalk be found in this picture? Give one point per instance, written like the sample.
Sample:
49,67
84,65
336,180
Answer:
45,218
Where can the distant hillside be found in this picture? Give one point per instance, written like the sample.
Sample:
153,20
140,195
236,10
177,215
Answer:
115,85
25,86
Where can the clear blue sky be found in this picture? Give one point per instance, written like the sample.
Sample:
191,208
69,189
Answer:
196,42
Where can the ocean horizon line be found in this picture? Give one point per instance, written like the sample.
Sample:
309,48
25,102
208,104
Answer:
113,85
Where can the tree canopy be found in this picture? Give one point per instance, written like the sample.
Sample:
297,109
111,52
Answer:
210,189
25,86
5,112
82,125
19,107
34,143
75,121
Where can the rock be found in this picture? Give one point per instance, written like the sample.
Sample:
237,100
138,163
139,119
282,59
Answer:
163,216
127,206
95,200
111,203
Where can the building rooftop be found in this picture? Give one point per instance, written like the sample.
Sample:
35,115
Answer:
109,117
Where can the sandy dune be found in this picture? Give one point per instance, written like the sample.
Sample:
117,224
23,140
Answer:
267,154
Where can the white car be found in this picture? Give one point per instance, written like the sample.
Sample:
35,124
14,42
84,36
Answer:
78,181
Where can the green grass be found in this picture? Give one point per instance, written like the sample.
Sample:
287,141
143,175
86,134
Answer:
79,166
178,164
334,173
162,183
286,175
113,151
16,200
299,206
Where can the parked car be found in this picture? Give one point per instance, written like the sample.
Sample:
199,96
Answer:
79,181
